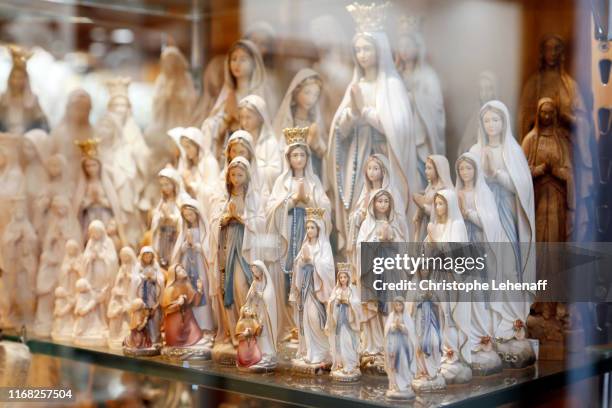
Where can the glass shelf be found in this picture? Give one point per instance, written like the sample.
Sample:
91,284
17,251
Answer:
283,386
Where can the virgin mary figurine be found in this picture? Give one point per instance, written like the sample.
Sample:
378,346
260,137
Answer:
253,117
295,190
424,89
166,215
100,262
245,74
311,287
183,337
376,173
382,224
192,251
257,327
342,327
236,241
400,351
507,173
375,116
447,226
301,108
119,304
437,173
484,229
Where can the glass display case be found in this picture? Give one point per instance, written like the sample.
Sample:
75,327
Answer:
133,85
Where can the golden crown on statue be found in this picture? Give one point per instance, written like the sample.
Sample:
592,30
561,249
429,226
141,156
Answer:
314,214
369,18
344,267
89,147
295,135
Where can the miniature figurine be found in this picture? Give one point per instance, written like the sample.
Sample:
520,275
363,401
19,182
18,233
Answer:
119,304
236,241
400,351
342,327
297,188
508,176
257,327
90,328
424,90
167,215
253,117
183,337
63,315
62,227
311,287
437,172
19,107
244,75
301,108
34,151
375,116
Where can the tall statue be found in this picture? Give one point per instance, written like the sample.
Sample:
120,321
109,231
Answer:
424,89
552,81
375,116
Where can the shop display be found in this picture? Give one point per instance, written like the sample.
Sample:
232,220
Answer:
250,217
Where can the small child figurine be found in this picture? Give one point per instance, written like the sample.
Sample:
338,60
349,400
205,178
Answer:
63,316
138,342
90,327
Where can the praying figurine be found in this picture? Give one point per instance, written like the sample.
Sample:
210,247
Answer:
183,337
119,304
167,215
342,327
90,328
375,116
257,327
63,315
400,351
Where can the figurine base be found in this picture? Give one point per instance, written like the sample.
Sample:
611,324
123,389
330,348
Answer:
300,366
194,352
429,384
456,373
142,352
516,353
258,369
373,364
66,338
116,344
224,354
396,395
345,377
90,341
486,363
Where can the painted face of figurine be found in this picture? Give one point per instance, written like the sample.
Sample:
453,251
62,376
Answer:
55,167
166,186
147,258
237,176
440,207
365,53
28,150
430,171
17,81
312,230
257,273
96,233
239,149
308,95
382,204
492,123
466,171
180,272
373,171
241,63
92,168
250,120
547,114
552,52
189,215
191,149
121,107
398,307
298,158
343,278
125,257
407,48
